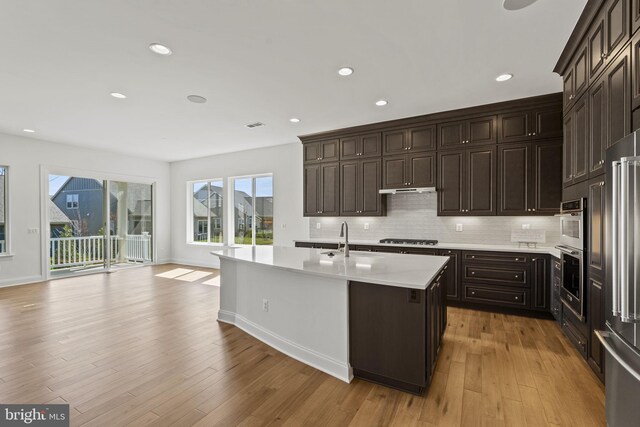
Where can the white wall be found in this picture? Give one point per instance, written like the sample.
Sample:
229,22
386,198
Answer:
26,156
283,161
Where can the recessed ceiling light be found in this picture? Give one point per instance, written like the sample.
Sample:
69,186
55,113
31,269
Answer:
197,99
345,71
294,120
28,130
118,95
381,102
504,77
160,49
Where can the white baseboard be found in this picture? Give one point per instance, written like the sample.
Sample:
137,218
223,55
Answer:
307,356
215,263
20,281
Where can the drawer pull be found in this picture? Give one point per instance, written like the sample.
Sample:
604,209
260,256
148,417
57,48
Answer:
516,276
473,256
516,298
473,272
473,292
517,259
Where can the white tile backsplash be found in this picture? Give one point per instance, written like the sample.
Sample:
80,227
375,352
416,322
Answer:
415,216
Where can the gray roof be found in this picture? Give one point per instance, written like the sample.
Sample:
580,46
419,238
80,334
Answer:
56,216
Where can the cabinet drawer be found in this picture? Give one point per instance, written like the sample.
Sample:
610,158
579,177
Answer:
518,298
512,276
496,257
574,335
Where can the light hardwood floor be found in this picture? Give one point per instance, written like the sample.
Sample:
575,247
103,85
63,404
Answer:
132,348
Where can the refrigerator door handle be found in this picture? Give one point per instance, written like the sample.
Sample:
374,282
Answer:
623,278
604,337
615,220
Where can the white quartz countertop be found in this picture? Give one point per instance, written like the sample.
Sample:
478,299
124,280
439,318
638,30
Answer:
444,245
406,271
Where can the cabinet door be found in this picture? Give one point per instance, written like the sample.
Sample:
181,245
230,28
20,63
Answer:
451,134
568,94
453,276
370,174
482,130
422,138
329,150
567,153
597,128
546,123
311,152
540,286
596,227
635,15
547,177
422,169
617,26
370,145
393,172
349,188
635,69
311,190
349,148
581,70
580,141
394,142
515,127
480,181
450,182
514,176
597,47
618,103
596,320
330,189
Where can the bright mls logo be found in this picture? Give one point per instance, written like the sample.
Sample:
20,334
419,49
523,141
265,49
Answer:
34,415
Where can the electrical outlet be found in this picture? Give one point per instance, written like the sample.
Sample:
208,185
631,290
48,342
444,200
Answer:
526,226
283,226
33,231
366,225
265,305
318,225
459,227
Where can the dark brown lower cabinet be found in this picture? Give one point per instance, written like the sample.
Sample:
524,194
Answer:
596,353
540,289
452,285
556,277
395,333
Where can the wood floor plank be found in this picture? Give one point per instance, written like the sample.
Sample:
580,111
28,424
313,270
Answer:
133,348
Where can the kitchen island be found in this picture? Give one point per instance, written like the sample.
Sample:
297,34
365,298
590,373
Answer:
376,316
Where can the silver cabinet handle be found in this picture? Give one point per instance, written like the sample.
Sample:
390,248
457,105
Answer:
516,298
534,134
604,337
517,259
516,278
473,273
473,292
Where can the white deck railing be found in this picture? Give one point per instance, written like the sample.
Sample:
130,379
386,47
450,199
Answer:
89,250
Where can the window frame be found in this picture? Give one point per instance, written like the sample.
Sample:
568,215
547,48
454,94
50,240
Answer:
7,214
232,187
75,199
190,217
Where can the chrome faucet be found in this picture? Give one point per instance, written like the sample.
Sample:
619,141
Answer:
344,232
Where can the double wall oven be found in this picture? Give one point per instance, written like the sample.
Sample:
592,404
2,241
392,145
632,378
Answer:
573,240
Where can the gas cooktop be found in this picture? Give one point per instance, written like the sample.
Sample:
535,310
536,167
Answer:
418,242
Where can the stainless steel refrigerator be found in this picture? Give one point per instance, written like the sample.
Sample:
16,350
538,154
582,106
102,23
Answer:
621,338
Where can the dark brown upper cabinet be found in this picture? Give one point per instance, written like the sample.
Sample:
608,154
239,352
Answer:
481,130
597,127
609,32
321,189
360,146
547,177
422,138
618,98
575,168
467,182
576,78
322,151
359,185
409,170
635,15
596,210
635,70
543,123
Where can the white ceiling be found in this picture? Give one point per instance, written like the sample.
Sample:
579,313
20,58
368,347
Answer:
258,60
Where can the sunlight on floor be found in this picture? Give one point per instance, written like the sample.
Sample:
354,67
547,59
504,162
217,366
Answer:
214,281
194,276
172,274
187,275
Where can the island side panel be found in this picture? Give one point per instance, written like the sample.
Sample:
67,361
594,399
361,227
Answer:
306,317
228,291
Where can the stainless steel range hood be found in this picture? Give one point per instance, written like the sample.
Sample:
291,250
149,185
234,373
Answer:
408,190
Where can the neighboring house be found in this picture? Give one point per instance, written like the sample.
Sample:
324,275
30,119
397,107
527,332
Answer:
57,220
81,200
200,214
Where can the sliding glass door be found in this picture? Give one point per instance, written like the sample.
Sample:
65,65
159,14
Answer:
97,225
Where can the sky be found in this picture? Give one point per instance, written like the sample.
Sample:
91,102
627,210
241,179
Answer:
55,182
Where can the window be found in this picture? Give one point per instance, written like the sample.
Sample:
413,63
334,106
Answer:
72,201
4,202
207,211
253,210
